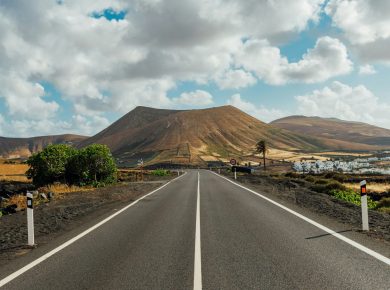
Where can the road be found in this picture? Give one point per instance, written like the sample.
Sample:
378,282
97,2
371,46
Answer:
202,231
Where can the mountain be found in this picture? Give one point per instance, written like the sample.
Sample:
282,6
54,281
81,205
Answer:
158,135
338,134
24,147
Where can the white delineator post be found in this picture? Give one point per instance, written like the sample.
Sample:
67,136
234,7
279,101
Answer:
219,170
363,192
235,173
30,219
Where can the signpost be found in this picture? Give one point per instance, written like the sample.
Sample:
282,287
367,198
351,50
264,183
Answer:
363,193
141,165
30,219
234,162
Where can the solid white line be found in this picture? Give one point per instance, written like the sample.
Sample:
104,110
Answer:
332,232
198,258
79,236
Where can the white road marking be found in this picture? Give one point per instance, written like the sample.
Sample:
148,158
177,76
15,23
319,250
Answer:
329,231
71,241
198,256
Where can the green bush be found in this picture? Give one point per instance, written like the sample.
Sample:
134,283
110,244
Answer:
352,197
92,165
48,166
160,172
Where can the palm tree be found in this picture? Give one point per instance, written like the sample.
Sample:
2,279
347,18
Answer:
261,148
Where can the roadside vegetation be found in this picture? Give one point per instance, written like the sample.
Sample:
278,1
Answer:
92,165
346,187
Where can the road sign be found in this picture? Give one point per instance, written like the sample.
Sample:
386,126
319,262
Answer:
140,162
233,161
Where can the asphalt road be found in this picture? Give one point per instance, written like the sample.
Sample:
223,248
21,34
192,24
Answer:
245,242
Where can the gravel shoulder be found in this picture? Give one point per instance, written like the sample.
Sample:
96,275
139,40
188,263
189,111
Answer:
61,215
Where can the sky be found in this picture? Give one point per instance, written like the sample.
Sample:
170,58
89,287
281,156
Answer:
77,66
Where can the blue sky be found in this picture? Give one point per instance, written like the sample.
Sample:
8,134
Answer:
90,63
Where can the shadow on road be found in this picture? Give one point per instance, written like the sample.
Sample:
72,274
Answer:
324,235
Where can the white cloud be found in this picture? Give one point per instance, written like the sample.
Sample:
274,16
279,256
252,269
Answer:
262,113
329,58
235,79
103,66
25,99
366,25
367,70
78,124
345,102
195,98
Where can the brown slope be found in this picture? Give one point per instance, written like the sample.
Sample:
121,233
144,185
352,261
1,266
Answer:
24,147
338,134
167,134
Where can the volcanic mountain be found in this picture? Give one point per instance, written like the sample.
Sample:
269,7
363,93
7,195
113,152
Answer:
177,136
24,147
338,134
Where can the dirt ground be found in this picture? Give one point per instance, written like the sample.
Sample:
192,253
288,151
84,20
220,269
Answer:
63,214
295,192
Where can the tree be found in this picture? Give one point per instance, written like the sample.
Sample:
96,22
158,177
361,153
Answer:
93,164
261,148
48,166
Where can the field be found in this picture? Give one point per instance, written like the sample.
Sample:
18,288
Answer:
13,172
371,187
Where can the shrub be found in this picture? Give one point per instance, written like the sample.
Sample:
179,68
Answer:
293,175
352,197
92,165
321,181
48,166
160,172
309,178
326,188
384,202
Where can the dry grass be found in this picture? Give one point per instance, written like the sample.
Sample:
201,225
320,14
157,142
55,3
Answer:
334,153
60,190
371,187
18,199
291,156
13,169
13,172
19,178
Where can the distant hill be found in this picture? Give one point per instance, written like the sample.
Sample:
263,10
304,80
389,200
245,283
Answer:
338,134
158,135
214,134
24,147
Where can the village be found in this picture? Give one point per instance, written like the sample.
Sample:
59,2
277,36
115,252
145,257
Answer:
358,165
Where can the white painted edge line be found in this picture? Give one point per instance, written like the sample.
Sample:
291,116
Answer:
329,231
79,236
198,256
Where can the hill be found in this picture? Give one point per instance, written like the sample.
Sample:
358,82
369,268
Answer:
24,147
182,136
338,134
